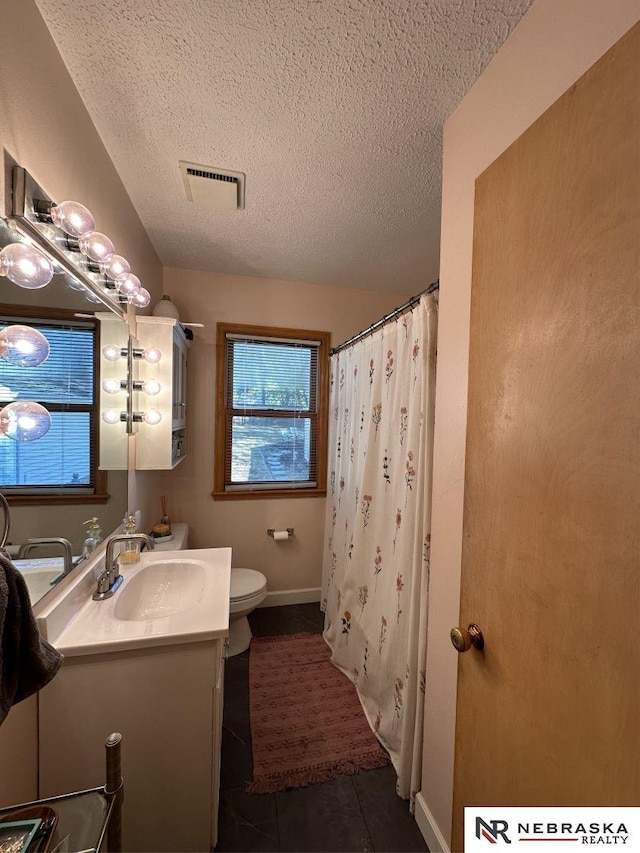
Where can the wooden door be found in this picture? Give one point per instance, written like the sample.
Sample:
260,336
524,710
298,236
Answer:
548,714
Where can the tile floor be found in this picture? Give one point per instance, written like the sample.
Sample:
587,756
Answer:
350,813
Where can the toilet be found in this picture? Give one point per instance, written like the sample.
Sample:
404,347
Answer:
248,590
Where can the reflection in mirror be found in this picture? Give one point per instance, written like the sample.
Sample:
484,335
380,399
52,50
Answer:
58,482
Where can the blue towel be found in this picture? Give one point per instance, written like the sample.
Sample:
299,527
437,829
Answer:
27,662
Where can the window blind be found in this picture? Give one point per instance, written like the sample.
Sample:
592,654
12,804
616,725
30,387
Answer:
271,413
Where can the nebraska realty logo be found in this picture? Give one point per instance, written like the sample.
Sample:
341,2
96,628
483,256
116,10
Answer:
554,829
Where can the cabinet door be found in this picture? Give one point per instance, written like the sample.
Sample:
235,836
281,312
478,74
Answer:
161,700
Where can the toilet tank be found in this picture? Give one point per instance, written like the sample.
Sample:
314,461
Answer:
180,540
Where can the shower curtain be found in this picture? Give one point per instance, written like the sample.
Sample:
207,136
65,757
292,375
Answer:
376,558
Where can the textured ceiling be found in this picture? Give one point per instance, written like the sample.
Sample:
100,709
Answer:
332,108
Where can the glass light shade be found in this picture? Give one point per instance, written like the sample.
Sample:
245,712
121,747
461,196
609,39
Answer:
151,386
152,417
112,386
112,352
115,267
24,421
128,285
25,266
111,416
23,346
97,247
140,299
73,218
152,355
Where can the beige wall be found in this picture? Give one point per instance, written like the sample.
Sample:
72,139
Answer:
557,41
45,127
208,298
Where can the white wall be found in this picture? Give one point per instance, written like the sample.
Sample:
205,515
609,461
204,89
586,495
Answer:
556,42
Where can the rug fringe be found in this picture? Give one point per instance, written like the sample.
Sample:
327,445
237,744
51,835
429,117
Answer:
306,776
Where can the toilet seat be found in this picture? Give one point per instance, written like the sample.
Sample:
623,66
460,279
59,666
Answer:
245,584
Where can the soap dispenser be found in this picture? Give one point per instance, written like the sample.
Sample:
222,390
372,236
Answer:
130,552
93,537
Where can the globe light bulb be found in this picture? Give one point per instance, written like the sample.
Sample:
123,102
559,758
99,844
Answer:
111,352
140,299
128,285
152,417
111,416
152,355
73,218
25,266
116,266
24,421
96,246
151,386
23,346
112,386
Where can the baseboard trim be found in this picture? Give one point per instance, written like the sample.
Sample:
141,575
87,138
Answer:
429,828
291,596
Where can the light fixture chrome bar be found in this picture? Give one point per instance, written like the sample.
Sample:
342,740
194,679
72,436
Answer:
25,194
129,386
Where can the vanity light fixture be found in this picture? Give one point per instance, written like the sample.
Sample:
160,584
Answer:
65,240
128,285
23,346
149,386
24,421
141,299
150,354
70,216
25,266
115,386
115,267
151,417
97,247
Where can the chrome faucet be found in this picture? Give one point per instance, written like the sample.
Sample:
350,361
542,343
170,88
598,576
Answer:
110,579
27,547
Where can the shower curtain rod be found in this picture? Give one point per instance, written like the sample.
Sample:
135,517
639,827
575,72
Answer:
387,317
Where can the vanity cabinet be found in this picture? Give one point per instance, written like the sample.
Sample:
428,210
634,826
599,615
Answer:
166,701
162,445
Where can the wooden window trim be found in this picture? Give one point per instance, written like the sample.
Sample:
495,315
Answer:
98,477
320,490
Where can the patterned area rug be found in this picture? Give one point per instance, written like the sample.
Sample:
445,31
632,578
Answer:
307,724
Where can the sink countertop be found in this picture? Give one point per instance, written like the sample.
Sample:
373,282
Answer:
95,628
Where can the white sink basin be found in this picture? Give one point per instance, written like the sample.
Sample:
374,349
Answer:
161,589
169,597
39,574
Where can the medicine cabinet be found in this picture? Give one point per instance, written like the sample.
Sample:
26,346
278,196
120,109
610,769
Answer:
162,445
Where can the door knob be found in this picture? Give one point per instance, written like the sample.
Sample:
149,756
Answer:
463,640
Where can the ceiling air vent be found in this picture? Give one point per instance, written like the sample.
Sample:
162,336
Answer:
213,188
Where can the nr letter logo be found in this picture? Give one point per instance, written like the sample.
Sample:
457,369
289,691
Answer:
492,830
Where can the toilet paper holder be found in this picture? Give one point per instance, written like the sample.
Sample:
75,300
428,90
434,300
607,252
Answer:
271,531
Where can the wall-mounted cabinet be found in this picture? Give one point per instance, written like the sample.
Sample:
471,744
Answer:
162,445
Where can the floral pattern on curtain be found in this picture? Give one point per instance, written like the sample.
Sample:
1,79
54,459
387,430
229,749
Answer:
376,556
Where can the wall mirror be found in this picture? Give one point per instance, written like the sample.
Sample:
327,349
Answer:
57,482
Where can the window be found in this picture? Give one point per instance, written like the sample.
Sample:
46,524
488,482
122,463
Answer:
62,465
271,413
